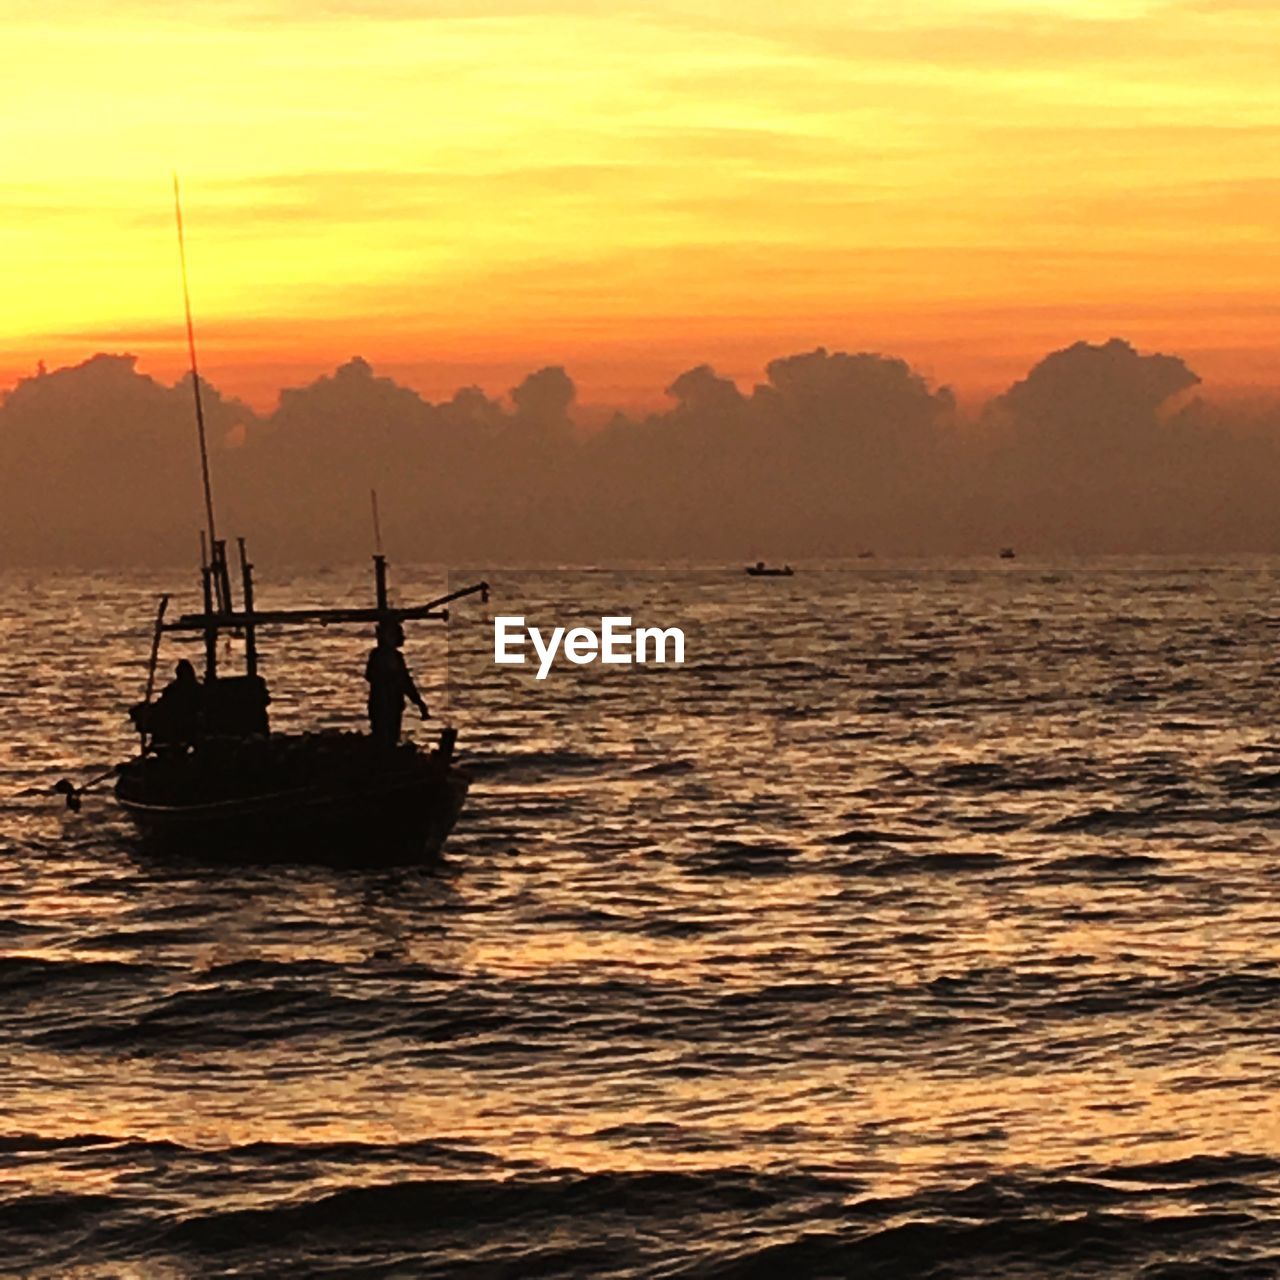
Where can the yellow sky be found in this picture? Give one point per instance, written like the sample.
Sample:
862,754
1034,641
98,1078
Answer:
462,191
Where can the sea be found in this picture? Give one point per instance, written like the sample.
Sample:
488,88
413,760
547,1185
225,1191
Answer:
923,922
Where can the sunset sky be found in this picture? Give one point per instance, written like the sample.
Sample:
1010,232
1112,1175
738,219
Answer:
464,191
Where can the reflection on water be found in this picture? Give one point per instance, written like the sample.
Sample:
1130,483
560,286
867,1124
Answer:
925,919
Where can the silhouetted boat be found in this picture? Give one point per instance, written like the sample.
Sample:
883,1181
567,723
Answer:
237,788
1007,553
761,570
296,797
210,774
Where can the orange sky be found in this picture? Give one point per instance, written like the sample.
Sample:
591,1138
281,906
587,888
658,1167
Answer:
461,191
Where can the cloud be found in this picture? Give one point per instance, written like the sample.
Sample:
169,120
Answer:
701,392
1094,449
99,462
1093,388
878,392
543,399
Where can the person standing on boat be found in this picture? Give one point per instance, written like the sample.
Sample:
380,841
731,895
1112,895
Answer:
390,684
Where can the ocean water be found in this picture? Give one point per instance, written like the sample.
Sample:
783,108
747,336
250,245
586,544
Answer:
925,923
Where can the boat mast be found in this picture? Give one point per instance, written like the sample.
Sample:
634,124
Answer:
221,581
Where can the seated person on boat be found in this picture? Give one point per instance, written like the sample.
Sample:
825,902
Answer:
174,719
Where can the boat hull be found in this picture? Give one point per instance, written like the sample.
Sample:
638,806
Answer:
402,815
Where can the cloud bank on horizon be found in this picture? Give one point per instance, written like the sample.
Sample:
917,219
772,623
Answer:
1099,448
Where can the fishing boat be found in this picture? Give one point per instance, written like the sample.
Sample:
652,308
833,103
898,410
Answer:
211,776
233,787
1007,553
762,570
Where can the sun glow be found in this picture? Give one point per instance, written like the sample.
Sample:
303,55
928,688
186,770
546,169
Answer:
455,189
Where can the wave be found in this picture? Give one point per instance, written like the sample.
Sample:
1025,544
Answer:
24,974
1211,1213
1122,866
872,836
741,858
895,865
535,764
664,769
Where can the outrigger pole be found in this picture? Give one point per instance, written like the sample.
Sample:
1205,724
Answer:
210,622
217,550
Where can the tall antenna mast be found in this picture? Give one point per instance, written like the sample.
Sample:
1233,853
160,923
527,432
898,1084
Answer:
195,375
377,524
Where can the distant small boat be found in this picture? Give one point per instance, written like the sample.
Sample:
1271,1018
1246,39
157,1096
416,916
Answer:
762,570
866,555
1007,553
